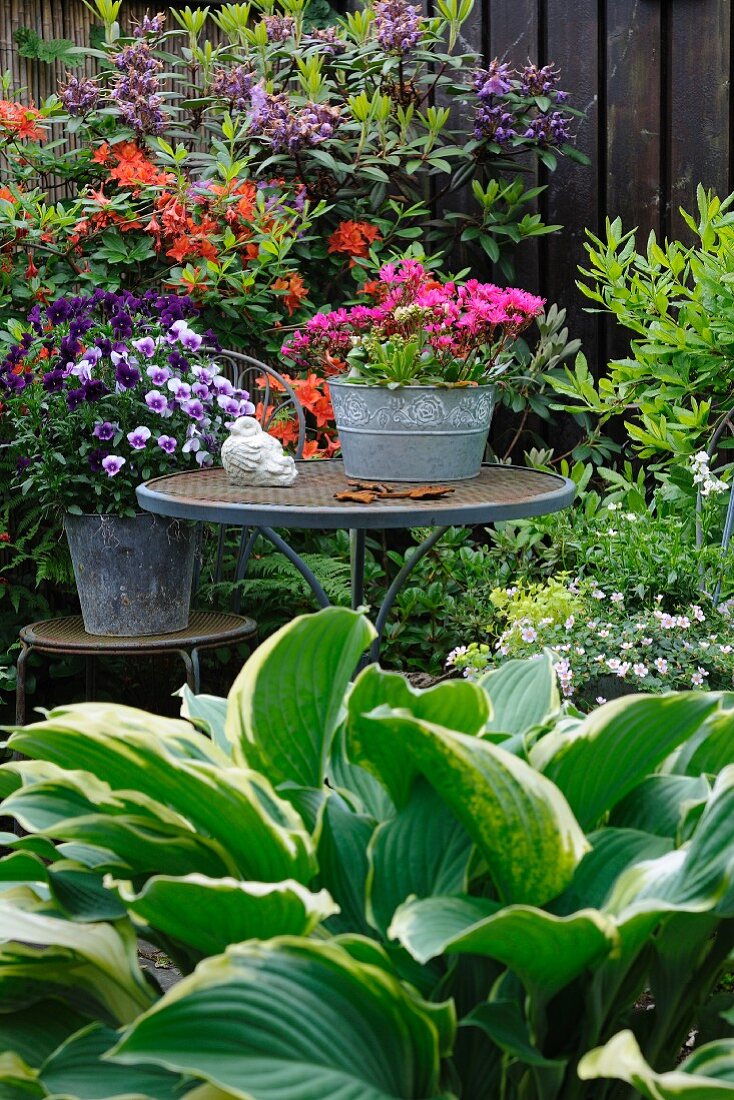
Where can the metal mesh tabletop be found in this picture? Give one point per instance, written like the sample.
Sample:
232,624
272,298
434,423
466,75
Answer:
500,492
68,635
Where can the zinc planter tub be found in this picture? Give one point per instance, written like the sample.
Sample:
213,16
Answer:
412,433
133,574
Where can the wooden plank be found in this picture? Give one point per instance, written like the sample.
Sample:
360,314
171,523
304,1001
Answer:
699,61
573,190
515,35
634,126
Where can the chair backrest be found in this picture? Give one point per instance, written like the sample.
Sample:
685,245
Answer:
269,391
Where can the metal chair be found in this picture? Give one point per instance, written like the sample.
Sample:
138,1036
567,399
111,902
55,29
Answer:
206,629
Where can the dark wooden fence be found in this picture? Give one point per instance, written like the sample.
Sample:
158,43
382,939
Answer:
652,75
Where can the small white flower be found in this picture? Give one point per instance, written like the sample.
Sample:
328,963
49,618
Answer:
646,641
683,621
640,670
696,679
617,597
667,622
603,633
661,665
600,699
459,651
569,622
613,663
528,634
626,645
600,657
546,621
725,648
623,669
511,591
597,594
580,650
612,532
631,517
614,506
698,614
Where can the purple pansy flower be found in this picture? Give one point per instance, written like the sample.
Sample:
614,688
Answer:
193,408
180,331
126,375
105,430
180,390
167,443
158,375
138,437
156,401
112,465
146,346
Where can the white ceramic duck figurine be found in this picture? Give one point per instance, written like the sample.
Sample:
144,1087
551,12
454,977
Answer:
252,457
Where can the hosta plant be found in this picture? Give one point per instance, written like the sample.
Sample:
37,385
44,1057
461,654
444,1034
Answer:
372,892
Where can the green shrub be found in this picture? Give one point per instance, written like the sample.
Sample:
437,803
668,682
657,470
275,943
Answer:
470,906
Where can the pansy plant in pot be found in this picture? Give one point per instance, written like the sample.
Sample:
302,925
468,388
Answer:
411,376
102,392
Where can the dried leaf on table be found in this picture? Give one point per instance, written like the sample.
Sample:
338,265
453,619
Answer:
356,496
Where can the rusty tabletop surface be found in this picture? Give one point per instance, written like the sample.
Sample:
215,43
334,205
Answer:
499,493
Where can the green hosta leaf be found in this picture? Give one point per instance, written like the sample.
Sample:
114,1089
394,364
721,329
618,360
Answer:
263,837
110,949
293,1018
546,952
707,1075
519,821
33,1033
18,1080
343,865
696,878
458,704
659,803
343,774
523,694
210,914
422,851
285,705
605,756
713,748
80,893
207,713
612,852
505,1025
78,1069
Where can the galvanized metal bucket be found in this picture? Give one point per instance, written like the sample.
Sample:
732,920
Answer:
133,574
412,433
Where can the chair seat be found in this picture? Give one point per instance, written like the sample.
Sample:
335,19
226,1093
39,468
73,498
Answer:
205,630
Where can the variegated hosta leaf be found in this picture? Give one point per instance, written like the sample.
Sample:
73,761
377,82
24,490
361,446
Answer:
659,804
598,761
79,1069
708,1074
109,950
210,914
207,713
264,838
456,705
523,694
546,952
422,851
285,705
294,1018
696,878
520,822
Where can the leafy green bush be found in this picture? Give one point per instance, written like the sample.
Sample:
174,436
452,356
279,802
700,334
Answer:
470,906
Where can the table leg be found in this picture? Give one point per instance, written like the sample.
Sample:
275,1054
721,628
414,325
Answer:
303,569
23,656
382,615
357,561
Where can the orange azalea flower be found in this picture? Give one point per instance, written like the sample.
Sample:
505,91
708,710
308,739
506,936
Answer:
297,291
353,238
20,121
31,271
134,167
101,154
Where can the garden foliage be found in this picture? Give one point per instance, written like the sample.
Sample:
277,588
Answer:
472,905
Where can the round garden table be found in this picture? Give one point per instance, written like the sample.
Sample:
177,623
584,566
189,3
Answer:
499,493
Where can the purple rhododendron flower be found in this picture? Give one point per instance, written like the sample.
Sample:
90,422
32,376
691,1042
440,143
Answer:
156,401
138,437
105,430
112,464
167,443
